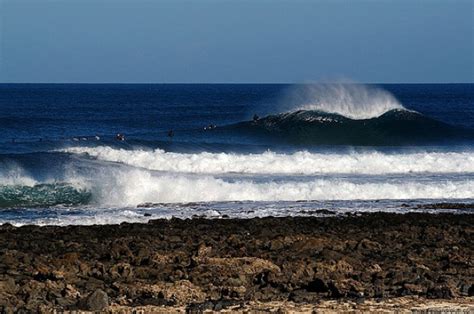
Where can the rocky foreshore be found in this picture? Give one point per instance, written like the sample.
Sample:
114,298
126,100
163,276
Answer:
213,264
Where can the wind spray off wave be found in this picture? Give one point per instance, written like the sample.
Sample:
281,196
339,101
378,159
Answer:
348,114
355,101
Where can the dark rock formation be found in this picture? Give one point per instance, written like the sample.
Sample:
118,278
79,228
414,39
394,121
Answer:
213,264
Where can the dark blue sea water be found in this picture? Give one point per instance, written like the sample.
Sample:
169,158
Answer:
198,150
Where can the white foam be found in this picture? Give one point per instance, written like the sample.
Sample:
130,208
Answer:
132,187
306,163
351,100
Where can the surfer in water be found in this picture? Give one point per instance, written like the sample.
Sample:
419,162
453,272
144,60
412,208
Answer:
170,133
255,118
120,137
210,127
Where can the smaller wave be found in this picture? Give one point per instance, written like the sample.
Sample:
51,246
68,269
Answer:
110,186
370,162
130,188
44,195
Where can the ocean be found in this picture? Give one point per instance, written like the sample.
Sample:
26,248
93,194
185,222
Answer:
112,153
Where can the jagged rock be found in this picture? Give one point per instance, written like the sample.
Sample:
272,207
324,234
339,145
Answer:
98,300
8,286
440,292
226,260
121,270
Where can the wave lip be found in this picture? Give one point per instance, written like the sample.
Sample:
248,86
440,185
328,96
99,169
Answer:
351,100
299,163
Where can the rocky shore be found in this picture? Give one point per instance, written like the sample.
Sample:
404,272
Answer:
218,264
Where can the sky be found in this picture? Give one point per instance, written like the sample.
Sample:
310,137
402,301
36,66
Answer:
230,41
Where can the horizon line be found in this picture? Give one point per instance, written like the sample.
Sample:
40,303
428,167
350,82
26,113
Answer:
225,83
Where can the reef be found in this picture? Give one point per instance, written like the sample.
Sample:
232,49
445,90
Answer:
217,264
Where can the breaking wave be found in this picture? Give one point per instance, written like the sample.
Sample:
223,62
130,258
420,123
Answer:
348,114
394,127
130,187
303,162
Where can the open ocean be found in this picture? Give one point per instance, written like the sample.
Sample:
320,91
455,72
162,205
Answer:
196,150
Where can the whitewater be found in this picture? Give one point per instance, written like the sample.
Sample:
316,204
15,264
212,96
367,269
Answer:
303,162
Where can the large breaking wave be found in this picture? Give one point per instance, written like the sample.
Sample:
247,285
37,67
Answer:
348,114
394,127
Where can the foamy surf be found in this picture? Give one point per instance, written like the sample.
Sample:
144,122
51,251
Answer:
118,187
303,162
135,187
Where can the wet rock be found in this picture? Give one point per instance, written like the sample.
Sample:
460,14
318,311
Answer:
446,206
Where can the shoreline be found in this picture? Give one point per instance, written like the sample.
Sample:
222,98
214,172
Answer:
209,264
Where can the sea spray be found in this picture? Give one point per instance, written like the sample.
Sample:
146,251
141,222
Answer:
352,100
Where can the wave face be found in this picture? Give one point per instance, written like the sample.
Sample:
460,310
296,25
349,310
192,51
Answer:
395,127
298,163
42,195
354,101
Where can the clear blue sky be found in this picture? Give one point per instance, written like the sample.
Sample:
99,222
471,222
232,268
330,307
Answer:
236,41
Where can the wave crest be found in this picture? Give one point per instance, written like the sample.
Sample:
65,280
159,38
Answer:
355,101
394,127
303,162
